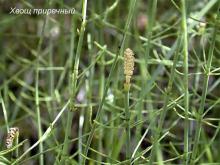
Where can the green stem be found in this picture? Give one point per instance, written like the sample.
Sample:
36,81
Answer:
4,112
44,136
186,85
37,92
16,143
130,14
151,16
166,102
99,110
101,83
74,83
204,93
38,112
127,124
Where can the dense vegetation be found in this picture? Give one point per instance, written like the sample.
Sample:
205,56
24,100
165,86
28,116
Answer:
66,98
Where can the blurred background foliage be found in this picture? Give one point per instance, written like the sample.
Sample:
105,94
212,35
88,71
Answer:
19,38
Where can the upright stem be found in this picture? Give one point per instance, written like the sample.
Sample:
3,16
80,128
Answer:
151,16
101,83
166,102
204,93
4,111
186,92
38,111
74,82
37,93
130,14
127,124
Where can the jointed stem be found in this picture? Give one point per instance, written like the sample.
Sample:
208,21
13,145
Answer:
204,93
130,14
74,82
186,92
127,124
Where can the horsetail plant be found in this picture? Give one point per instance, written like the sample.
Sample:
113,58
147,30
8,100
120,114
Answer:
132,5
82,94
12,138
186,83
128,71
74,81
205,89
